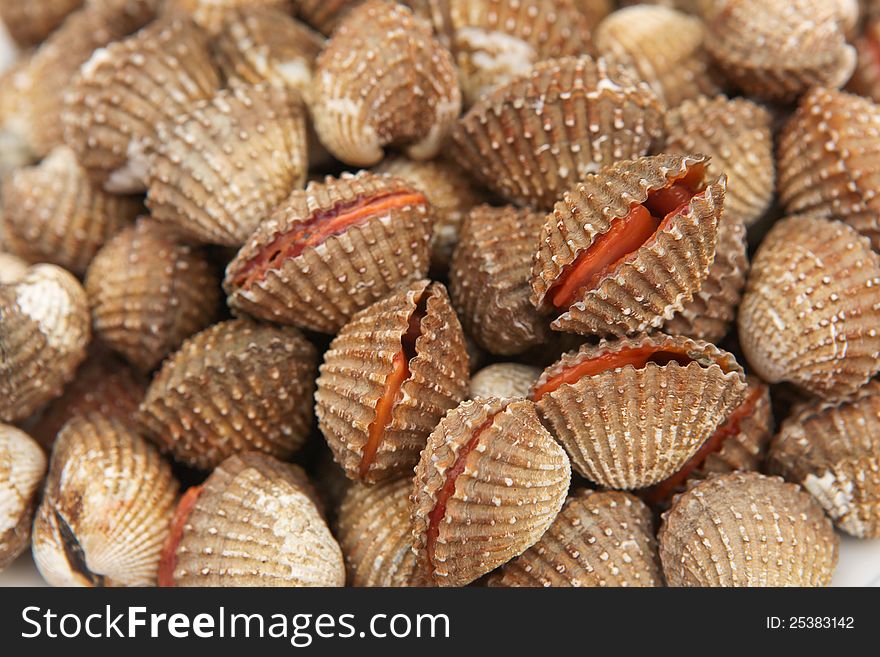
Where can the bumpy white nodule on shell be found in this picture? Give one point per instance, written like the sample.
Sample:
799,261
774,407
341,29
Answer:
22,468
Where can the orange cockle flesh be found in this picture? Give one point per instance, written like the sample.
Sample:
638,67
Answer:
168,558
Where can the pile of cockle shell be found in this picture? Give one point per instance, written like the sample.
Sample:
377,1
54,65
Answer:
506,292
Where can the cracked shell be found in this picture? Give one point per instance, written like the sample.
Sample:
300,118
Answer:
28,23
211,14
107,507
388,378
746,529
488,485
504,380
22,468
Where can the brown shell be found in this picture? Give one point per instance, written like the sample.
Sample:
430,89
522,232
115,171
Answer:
148,293
52,213
828,160
121,95
653,283
504,380
107,507
736,134
630,428
22,468
533,138
44,334
511,486
353,378
598,539
866,78
833,451
324,15
489,279
235,386
254,523
811,310
375,534
745,529
324,286
28,23
211,14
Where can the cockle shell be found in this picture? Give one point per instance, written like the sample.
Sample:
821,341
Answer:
320,286
252,523
833,451
375,534
107,507
44,332
359,366
324,15
489,278
28,23
534,137
504,380
22,468
235,386
810,313
403,92
598,539
148,292
631,426
211,14
489,483
746,529
52,213
12,268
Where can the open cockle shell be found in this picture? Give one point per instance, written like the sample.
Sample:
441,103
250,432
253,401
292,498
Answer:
746,529
637,419
598,539
234,387
107,507
291,272
22,468
489,483
360,374
211,14
503,380
252,523
28,23
810,313
534,137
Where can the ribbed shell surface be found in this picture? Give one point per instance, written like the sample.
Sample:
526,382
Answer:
28,23
22,468
211,14
504,380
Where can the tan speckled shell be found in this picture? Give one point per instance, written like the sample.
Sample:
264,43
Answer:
833,451
811,310
235,386
866,78
148,293
29,22
598,539
533,138
630,428
504,380
375,534
107,507
352,380
489,279
255,524
44,332
52,213
511,488
22,467
211,14
654,282
745,529
324,286
12,268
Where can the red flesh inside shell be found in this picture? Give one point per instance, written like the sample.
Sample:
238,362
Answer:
168,558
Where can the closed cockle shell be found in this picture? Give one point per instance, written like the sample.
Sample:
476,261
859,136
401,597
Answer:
375,534
107,507
490,482
829,160
404,94
44,332
22,468
234,387
632,412
833,451
598,539
210,14
331,250
224,164
120,96
587,272
252,523
534,137
810,313
388,378
504,380
746,529
52,213
148,292
324,15
489,278
28,23
736,134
